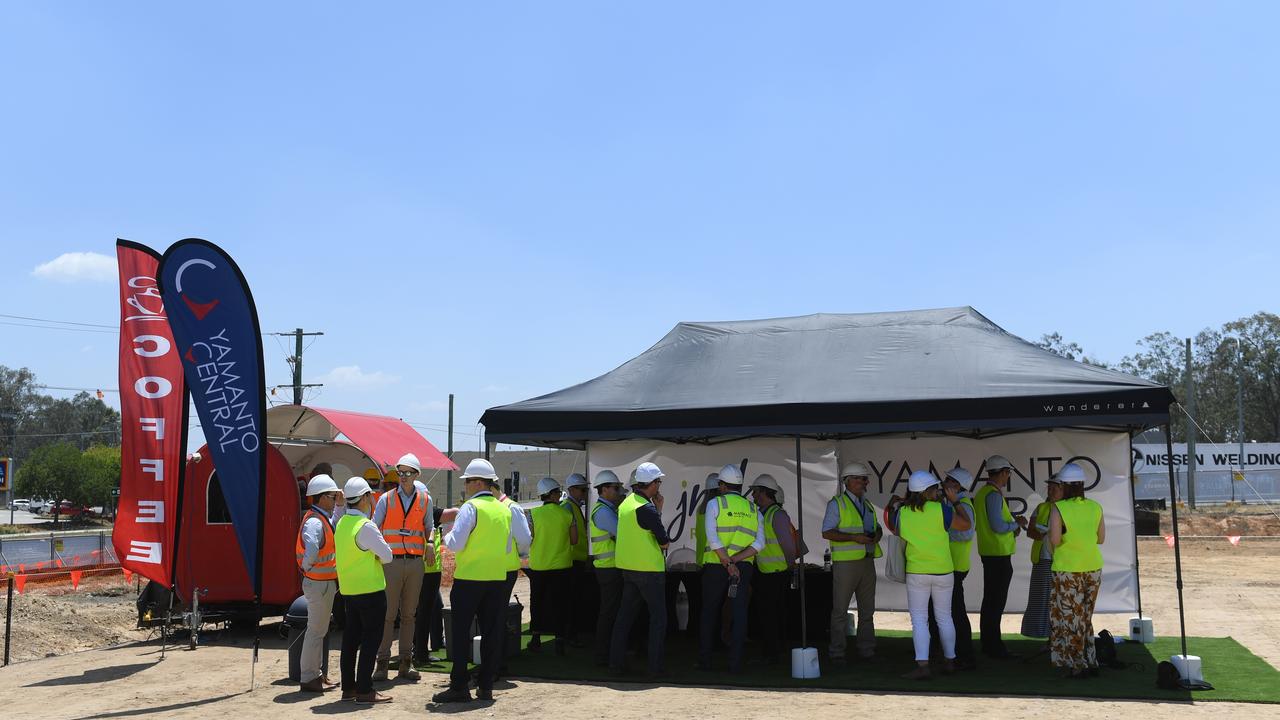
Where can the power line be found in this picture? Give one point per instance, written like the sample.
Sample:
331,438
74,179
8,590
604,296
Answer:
55,327
60,322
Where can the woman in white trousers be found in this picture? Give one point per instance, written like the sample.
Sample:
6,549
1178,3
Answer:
923,520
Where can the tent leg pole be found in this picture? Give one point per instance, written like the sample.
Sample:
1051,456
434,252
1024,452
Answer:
804,620
1177,544
1137,575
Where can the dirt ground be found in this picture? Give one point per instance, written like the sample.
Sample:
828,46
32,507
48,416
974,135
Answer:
1229,591
1245,520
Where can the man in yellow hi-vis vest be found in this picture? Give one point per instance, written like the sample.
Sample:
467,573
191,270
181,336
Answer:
997,530
642,540
850,525
361,552
735,534
486,534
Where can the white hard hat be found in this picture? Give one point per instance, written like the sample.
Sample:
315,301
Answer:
921,480
647,473
855,469
607,477
356,488
731,475
410,460
575,480
712,479
546,485
997,462
1071,473
960,475
479,468
321,484
766,481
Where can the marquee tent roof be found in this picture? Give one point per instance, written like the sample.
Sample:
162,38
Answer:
384,439
945,370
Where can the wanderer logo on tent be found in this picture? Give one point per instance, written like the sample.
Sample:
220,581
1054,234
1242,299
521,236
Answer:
1094,406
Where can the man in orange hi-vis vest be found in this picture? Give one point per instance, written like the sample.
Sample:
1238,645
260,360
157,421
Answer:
318,562
403,513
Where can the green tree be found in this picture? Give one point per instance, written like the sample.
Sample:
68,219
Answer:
52,471
101,468
1058,345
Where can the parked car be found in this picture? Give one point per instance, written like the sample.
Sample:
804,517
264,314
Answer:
68,510
38,506
21,504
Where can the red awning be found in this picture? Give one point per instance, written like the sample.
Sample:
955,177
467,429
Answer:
384,438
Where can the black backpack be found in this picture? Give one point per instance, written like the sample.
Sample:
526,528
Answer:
1104,646
1167,676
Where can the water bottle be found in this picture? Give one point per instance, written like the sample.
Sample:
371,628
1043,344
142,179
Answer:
826,560
733,588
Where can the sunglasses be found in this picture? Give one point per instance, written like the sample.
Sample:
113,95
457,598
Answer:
406,473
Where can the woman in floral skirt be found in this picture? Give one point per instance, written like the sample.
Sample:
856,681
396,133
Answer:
1076,532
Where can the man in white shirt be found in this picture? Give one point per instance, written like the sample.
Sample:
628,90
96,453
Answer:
728,566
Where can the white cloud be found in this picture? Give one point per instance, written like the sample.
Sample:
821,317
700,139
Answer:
351,376
77,267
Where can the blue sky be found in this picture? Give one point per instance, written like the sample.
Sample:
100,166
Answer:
502,200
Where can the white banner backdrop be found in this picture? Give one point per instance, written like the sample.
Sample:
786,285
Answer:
1035,456
687,467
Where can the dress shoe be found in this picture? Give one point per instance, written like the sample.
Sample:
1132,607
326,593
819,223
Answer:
372,698
407,672
348,694
314,685
328,684
452,695
921,672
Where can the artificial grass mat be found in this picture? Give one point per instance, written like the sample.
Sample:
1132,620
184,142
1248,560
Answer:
1236,674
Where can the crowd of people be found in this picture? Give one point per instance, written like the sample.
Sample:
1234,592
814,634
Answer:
600,567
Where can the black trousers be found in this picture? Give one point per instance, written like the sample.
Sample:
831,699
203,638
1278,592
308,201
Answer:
549,598
997,572
771,610
584,599
715,587
361,636
648,588
428,629
692,582
609,583
485,601
960,617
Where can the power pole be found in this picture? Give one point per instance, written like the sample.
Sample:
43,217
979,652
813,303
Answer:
295,361
1191,433
449,485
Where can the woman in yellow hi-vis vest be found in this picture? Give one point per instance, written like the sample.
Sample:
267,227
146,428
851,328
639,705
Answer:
1076,531
770,589
735,535
361,552
485,535
550,567
1035,619
923,522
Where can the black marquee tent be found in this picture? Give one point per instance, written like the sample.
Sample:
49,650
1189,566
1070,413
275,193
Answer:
947,371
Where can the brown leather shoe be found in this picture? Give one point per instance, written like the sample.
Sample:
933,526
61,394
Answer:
328,684
348,694
372,698
314,685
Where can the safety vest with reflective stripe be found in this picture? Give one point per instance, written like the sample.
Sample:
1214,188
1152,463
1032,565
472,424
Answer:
431,563
961,551
1079,551
326,564
406,534
487,554
637,549
513,560
603,545
359,571
551,549
580,549
736,523
1042,518
928,544
853,523
771,559
990,542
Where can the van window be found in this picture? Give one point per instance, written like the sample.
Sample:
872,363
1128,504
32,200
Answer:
216,511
